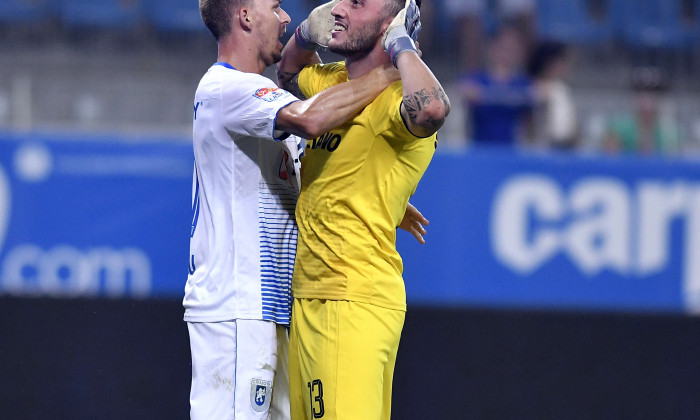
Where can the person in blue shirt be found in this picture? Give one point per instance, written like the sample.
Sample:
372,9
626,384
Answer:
499,99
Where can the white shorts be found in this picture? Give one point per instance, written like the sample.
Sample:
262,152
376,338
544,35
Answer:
239,370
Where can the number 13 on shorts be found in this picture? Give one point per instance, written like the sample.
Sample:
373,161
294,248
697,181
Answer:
316,398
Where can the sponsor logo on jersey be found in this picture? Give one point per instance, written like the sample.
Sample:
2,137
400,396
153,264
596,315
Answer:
328,141
260,394
269,94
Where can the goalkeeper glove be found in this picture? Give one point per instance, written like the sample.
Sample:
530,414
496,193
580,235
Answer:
402,33
316,30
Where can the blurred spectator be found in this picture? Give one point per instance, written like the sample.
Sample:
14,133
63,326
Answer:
555,122
652,126
499,98
520,14
471,19
468,28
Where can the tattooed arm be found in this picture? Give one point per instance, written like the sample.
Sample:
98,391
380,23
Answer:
425,104
294,59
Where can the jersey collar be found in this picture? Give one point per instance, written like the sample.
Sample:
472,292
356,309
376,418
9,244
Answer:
227,65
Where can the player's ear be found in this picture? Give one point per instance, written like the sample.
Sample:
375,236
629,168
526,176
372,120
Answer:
245,18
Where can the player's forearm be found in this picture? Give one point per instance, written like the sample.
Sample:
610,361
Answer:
342,102
332,107
425,104
294,59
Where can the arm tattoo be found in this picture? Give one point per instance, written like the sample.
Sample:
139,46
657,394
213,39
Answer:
417,101
441,96
290,82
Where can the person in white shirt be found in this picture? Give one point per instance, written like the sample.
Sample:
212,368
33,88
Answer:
245,184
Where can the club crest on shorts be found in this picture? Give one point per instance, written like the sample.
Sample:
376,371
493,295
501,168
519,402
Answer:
260,394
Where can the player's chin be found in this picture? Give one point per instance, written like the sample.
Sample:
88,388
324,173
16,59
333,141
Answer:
339,36
273,58
278,49
335,43
340,48
276,57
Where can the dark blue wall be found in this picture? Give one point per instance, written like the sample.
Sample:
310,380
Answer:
99,359
119,359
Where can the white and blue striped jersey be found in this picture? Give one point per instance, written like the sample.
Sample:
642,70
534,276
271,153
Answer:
244,191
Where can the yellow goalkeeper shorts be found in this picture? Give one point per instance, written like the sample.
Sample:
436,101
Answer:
341,359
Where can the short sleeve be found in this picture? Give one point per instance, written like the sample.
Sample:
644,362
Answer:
385,115
314,79
250,106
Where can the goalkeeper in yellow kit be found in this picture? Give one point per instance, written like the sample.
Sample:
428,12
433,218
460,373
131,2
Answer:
349,296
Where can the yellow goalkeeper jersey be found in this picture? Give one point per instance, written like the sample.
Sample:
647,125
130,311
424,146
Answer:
355,183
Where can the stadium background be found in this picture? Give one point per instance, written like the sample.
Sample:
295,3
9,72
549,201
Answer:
554,285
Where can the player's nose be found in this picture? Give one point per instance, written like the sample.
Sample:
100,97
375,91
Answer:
338,9
284,17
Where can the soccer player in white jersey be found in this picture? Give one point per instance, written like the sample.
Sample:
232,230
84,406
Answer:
245,184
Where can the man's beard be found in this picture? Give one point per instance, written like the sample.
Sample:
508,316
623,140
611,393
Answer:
276,57
272,58
360,46
268,57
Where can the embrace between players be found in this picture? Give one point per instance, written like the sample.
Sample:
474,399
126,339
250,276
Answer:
295,299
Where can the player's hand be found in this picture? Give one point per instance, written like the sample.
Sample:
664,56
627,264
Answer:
402,33
315,31
413,222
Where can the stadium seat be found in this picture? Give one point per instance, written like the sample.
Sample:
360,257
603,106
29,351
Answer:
575,21
174,15
652,23
23,10
100,13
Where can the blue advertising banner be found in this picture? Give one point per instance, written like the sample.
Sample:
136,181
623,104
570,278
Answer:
558,231
93,217
110,217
